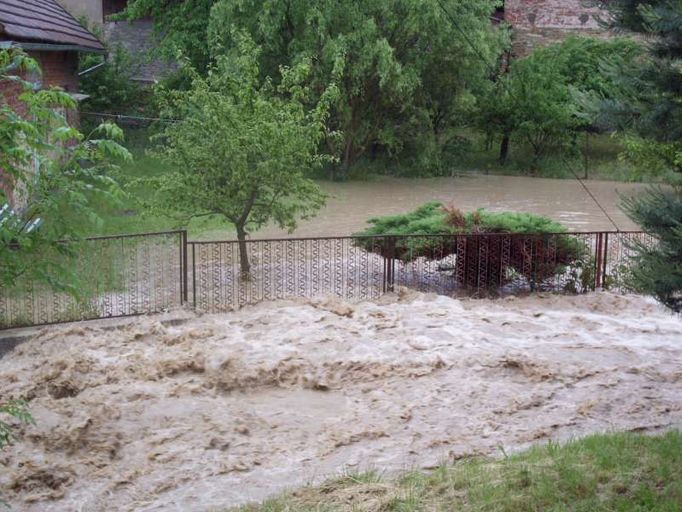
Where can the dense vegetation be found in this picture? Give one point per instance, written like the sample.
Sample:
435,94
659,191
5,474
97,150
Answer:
57,175
427,233
406,77
537,102
624,472
649,109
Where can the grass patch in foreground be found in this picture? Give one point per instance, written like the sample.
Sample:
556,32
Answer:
615,472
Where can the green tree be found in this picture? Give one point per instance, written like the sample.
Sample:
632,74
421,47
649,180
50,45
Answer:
404,71
537,101
649,107
242,146
110,87
55,175
406,75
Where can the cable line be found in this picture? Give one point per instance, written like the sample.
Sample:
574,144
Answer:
125,116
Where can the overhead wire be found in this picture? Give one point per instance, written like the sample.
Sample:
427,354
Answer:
131,117
493,69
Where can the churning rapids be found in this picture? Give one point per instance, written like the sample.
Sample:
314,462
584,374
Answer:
185,412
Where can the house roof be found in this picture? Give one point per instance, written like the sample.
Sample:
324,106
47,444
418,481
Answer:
44,22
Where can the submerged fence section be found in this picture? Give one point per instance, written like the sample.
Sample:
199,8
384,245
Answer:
114,276
361,268
149,273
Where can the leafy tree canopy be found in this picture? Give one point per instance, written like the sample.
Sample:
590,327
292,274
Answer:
54,173
405,73
242,146
537,101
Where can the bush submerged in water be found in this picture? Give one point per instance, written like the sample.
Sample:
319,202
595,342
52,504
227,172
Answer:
536,248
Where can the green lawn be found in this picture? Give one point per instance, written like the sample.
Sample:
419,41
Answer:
602,160
616,472
133,214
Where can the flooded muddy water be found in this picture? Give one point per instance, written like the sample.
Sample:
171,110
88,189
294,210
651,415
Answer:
351,204
219,410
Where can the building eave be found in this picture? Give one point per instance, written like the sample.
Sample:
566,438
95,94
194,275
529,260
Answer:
48,47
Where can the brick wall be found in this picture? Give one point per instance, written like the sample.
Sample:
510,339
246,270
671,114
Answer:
540,22
60,69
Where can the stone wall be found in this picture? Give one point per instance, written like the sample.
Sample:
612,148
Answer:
541,22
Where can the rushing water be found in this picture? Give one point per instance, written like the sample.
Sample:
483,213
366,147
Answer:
351,203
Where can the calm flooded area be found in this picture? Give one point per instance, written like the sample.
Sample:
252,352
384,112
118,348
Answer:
351,203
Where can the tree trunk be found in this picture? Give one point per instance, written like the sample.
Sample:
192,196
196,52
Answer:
244,264
504,149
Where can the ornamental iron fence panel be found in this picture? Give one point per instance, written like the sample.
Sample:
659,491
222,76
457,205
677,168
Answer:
115,276
362,268
153,272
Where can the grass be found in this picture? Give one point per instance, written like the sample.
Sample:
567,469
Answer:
622,472
133,216
602,161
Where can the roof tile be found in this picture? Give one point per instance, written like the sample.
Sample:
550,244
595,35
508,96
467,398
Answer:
43,21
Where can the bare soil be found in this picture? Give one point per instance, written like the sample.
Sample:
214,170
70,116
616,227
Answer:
228,408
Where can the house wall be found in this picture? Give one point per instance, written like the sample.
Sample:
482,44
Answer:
541,22
60,69
90,9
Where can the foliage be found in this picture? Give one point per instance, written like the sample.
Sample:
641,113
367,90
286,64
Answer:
537,101
435,219
16,409
405,74
242,146
56,174
181,24
647,100
659,267
649,105
428,233
606,472
110,87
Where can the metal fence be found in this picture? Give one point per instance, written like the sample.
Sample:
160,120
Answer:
115,276
148,273
361,268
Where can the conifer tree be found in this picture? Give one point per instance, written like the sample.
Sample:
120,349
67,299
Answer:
649,107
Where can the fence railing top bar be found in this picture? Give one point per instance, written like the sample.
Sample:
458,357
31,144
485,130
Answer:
369,237
136,235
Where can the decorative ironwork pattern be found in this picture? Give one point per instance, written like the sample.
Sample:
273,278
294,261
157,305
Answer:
148,273
364,268
115,277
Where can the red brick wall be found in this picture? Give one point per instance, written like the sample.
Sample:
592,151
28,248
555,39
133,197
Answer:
60,69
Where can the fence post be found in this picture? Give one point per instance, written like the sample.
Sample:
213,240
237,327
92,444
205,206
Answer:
605,254
194,276
183,286
389,265
598,260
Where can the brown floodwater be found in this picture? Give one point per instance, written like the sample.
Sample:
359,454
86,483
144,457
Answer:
350,204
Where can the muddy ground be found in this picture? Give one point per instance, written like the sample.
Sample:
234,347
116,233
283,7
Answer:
234,407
